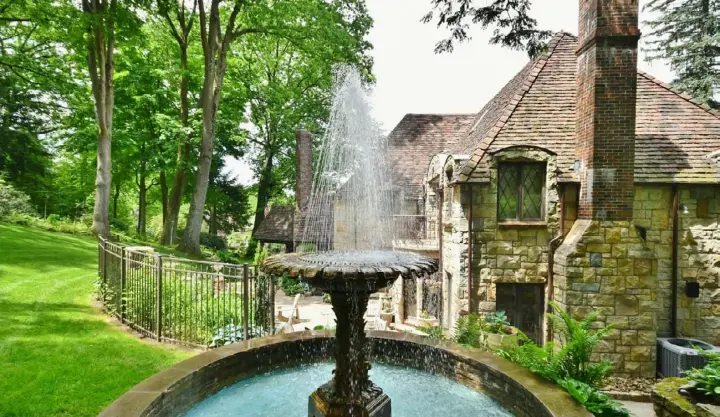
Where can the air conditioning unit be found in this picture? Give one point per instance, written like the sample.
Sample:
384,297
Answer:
677,355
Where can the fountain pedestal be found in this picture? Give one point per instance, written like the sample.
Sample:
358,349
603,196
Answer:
350,392
350,278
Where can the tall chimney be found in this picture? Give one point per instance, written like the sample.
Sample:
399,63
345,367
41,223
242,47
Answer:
303,168
606,90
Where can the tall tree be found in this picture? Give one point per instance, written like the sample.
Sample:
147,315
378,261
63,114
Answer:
686,33
513,26
101,16
180,19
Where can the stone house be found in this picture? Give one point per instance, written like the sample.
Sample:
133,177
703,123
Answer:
583,181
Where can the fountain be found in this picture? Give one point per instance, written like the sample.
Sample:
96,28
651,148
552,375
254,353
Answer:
272,376
352,179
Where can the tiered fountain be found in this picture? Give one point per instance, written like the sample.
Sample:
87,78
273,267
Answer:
352,178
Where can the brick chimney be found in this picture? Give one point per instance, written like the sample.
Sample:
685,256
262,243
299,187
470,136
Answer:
303,167
606,90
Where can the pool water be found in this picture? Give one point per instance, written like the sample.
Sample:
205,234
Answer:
285,393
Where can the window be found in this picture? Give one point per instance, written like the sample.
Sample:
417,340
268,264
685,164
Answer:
521,190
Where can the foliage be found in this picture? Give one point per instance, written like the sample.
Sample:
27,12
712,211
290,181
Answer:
433,332
13,201
706,380
60,355
291,286
468,330
569,357
567,362
213,242
56,224
685,33
514,27
596,402
496,323
233,333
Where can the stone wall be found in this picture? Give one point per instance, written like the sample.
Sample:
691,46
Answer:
607,266
176,389
699,261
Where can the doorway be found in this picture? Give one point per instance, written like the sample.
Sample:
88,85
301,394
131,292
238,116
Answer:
524,305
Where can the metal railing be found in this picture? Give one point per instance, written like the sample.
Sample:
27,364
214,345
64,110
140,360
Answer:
414,227
197,303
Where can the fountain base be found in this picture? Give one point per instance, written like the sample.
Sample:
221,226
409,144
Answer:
373,403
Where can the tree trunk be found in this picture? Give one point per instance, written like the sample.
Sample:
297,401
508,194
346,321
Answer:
215,50
213,221
142,202
164,194
101,65
183,158
263,191
116,196
191,237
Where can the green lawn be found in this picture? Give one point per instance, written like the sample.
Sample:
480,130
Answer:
58,355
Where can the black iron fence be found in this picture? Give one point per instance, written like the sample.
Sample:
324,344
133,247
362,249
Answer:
198,303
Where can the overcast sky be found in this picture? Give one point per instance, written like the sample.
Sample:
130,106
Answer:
411,78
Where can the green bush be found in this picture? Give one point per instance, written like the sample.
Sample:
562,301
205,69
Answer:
14,202
52,223
599,404
567,362
496,323
433,332
569,358
291,286
213,242
706,381
468,330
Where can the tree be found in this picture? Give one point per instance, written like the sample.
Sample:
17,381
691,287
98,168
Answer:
687,34
514,27
295,21
176,11
290,85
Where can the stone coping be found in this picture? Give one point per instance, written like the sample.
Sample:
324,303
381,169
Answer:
668,402
176,389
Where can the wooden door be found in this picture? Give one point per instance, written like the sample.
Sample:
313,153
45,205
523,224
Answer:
524,305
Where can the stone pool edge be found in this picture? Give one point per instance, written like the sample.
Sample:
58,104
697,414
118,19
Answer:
178,388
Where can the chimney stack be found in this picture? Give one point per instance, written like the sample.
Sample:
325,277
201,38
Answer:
303,168
606,91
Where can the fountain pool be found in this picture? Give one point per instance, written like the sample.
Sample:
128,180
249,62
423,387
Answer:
414,394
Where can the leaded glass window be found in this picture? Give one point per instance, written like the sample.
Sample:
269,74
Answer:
521,187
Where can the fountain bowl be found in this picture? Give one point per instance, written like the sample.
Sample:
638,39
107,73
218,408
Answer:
177,389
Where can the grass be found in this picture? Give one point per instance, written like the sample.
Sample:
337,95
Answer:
59,356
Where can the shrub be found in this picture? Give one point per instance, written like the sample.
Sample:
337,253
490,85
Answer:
291,286
14,201
496,323
213,242
706,381
433,332
596,402
468,330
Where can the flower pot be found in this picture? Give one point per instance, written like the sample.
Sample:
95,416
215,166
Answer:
497,340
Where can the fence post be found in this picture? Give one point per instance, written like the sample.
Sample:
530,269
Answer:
123,276
104,261
246,301
158,304
272,304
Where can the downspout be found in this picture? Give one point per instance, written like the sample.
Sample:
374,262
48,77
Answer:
674,272
552,246
470,250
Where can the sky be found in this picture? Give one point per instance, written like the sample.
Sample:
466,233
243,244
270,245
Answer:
411,78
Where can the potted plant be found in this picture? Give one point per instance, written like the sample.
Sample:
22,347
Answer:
497,331
386,311
426,320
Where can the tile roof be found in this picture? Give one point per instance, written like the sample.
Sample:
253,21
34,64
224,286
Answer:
416,139
675,134
277,226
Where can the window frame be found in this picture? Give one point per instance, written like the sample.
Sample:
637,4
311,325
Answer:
520,190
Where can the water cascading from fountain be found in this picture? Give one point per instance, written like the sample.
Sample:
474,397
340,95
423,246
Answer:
350,208
353,198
